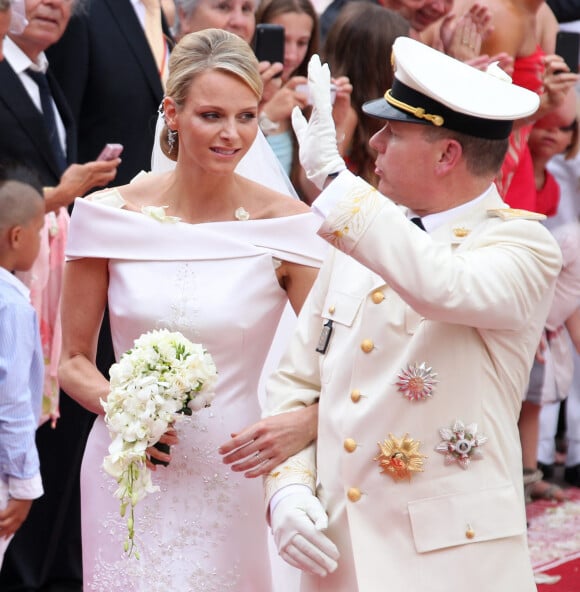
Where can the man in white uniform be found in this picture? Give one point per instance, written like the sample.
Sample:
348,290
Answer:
416,343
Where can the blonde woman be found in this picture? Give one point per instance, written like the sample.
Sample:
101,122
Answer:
221,274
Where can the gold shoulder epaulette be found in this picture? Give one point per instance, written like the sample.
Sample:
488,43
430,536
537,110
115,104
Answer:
515,213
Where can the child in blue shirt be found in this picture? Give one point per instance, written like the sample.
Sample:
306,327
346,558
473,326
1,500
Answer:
21,359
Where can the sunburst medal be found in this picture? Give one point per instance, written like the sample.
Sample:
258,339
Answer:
400,457
417,382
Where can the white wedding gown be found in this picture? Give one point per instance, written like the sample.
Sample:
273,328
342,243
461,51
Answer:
204,531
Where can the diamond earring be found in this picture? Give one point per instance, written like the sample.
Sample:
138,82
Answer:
171,138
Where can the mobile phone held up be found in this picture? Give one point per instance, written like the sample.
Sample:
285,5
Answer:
110,152
568,47
269,43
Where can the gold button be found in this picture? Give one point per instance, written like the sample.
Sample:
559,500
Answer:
469,533
367,345
353,494
377,297
332,309
350,445
355,396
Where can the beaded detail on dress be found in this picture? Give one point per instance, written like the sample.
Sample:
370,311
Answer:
188,536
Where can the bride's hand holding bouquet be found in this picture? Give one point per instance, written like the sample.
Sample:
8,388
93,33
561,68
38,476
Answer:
154,384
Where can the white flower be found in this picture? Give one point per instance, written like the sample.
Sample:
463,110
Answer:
241,214
158,213
163,374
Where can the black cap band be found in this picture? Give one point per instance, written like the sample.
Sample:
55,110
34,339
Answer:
403,103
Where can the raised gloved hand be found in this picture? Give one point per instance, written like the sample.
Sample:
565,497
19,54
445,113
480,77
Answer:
297,522
318,150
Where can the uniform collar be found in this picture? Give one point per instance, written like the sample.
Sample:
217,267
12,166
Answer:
433,221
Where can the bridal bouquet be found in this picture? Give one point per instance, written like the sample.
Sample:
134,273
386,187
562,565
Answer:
163,375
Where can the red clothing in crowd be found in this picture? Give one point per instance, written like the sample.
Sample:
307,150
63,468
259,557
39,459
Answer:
517,163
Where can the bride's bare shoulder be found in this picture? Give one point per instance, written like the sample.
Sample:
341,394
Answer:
141,191
267,203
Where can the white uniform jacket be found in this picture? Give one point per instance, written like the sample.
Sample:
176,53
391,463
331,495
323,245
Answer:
432,341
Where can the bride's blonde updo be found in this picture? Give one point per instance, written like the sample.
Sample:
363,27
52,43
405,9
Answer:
196,53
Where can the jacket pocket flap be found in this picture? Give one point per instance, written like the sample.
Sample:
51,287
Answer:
341,308
466,518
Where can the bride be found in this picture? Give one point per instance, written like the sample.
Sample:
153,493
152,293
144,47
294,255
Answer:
218,260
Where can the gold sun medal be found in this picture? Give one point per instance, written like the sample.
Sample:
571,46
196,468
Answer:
399,458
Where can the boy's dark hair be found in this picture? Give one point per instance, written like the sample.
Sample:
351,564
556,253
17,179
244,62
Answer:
20,195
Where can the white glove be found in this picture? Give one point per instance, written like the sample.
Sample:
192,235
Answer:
297,522
318,150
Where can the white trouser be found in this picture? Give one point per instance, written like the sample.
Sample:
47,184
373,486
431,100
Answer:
573,417
549,424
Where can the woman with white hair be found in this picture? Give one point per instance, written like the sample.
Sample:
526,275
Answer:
236,16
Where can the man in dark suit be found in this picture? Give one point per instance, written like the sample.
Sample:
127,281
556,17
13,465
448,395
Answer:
24,139
45,553
111,81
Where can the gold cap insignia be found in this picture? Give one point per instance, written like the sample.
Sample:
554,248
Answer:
418,112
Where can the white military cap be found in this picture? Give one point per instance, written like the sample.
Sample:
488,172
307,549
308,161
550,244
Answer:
432,88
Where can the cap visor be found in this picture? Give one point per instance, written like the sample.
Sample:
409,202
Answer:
383,110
